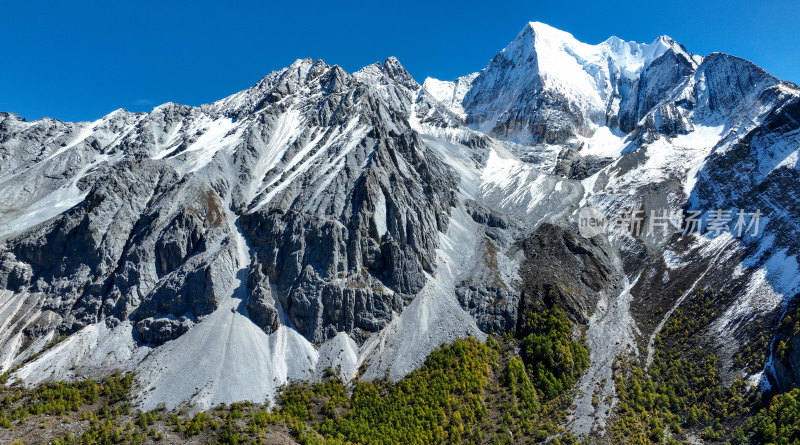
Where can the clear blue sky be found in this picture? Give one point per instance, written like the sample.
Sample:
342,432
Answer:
77,60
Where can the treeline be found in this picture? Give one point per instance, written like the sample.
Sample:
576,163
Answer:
502,391
466,392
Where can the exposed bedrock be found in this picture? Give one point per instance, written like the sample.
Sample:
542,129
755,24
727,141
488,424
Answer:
564,269
353,273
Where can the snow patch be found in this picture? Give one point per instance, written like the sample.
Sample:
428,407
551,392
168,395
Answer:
604,143
379,216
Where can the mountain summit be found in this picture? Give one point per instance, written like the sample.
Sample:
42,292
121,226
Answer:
545,86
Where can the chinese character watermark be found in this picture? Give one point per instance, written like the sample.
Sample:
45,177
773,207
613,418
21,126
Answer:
637,222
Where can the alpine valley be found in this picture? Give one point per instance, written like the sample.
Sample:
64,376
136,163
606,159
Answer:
325,234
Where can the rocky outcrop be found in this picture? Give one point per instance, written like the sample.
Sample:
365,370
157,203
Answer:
562,269
351,276
73,257
160,330
570,164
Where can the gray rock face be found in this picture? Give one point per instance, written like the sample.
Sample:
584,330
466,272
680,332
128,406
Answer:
489,290
73,257
341,201
345,250
15,274
482,215
570,164
562,269
370,261
262,306
108,257
638,97
160,330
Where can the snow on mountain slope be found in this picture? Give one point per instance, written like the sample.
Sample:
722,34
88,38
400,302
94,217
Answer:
311,145
546,86
660,117
451,94
45,161
323,219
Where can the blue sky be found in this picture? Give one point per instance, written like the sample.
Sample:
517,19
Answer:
81,60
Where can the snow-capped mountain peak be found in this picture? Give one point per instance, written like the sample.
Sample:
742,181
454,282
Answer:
571,86
551,45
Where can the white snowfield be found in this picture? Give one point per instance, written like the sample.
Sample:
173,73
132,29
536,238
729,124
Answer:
226,358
